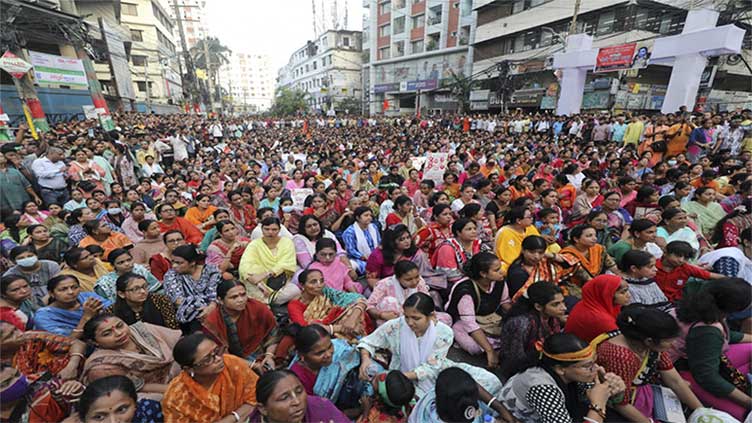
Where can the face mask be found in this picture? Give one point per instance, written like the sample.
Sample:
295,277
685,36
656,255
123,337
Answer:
114,211
286,209
16,391
672,162
27,261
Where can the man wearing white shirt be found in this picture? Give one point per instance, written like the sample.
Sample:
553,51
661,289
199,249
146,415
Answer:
50,172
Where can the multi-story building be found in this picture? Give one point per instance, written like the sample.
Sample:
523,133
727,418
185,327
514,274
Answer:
153,55
328,69
413,50
526,33
249,80
193,14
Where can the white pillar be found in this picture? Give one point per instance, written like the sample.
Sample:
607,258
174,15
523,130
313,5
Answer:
684,83
574,64
687,53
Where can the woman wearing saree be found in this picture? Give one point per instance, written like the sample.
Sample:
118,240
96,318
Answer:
535,265
590,257
618,218
201,215
637,353
337,274
419,345
135,303
268,264
246,327
225,252
728,231
385,302
361,238
343,313
169,220
282,398
141,351
46,246
323,209
431,236
587,198
69,308
704,210
674,227
325,366
83,169
213,386
122,263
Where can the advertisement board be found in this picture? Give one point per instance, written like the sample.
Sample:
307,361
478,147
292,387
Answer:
52,69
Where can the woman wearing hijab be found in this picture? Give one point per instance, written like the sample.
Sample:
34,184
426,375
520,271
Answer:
602,298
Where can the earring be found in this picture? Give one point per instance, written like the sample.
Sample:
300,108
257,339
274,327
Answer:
191,373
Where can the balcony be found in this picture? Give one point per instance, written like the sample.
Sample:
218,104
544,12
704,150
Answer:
435,20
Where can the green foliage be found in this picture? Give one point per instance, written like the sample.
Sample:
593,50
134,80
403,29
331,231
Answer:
461,88
289,102
351,104
217,53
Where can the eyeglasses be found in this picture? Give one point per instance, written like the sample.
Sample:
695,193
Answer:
218,352
137,289
585,366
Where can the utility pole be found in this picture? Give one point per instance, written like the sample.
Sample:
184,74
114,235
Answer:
146,82
209,73
573,24
188,77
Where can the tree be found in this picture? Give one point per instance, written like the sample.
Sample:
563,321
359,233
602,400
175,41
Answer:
289,102
218,56
461,88
351,104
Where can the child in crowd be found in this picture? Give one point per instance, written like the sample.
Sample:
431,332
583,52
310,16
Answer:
673,271
639,272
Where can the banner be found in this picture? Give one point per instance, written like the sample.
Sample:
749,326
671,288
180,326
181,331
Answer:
51,69
621,57
436,165
14,65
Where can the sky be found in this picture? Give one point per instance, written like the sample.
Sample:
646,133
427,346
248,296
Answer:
275,27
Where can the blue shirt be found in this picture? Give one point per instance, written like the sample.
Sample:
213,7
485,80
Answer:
618,130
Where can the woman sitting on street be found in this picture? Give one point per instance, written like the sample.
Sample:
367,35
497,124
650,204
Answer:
141,351
135,303
245,326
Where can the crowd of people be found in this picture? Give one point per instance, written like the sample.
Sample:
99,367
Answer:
184,268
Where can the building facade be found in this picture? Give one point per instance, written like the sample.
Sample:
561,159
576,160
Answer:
414,50
193,14
328,69
249,79
526,33
153,56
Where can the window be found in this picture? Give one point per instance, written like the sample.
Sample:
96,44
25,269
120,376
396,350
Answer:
416,46
419,21
384,53
137,35
385,7
346,41
315,64
399,48
605,23
399,25
399,4
129,9
138,60
518,6
142,86
385,30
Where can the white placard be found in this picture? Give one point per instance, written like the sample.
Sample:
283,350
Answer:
436,166
51,69
298,197
90,112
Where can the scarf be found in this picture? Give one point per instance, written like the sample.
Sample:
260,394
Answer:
246,335
400,293
363,246
745,264
414,351
593,263
596,312
319,309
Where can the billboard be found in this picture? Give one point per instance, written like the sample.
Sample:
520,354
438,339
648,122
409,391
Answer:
51,69
622,57
121,70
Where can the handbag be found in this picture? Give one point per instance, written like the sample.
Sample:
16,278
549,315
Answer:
276,282
490,323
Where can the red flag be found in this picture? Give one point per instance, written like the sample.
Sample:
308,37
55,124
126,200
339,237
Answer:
386,105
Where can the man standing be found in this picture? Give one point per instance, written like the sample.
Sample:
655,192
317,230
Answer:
50,171
618,129
633,133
